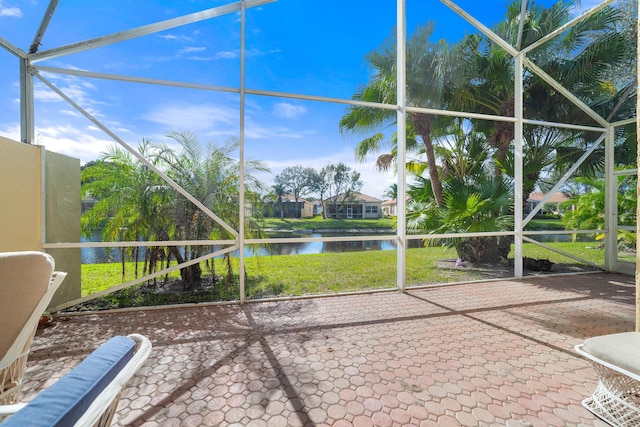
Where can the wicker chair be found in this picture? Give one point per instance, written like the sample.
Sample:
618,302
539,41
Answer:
616,398
27,284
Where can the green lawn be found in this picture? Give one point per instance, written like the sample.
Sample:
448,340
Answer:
296,275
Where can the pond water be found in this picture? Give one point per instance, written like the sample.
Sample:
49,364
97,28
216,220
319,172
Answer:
102,255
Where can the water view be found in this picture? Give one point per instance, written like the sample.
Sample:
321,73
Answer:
103,255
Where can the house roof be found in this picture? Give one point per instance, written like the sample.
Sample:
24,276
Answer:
358,197
556,197
288,197
394,201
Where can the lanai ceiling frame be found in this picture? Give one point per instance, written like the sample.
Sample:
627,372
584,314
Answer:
27,73
29,70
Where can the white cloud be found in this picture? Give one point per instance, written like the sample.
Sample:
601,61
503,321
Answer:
78,90
228,54
67,140
195,118
220,120
249,53
173,37
256,131
288,111
192,49
12,12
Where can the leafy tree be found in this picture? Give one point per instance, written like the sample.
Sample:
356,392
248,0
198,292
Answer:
343,183
319,183
295,180
135,204
586,210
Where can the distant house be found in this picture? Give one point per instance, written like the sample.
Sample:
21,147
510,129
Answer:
317,207
390,207
355,205
552,206
291,208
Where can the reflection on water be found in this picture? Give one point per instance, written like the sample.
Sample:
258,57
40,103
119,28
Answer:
295,248
102,255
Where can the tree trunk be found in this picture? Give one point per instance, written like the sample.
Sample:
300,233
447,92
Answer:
422,125
504,132
484,250
190,274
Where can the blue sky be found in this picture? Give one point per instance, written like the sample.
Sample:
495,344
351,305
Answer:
311,47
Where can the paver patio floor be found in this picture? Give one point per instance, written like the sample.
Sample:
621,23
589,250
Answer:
481,354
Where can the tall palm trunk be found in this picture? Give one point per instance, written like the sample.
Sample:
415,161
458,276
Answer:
504,131
422,126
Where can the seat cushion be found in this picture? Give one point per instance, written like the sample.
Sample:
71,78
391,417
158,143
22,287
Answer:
67,399
621,350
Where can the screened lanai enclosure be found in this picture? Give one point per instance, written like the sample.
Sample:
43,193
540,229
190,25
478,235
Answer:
502,134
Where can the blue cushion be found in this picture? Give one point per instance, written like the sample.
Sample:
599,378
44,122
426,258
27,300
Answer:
67,399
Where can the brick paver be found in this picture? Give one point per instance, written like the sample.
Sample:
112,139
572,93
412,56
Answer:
480,354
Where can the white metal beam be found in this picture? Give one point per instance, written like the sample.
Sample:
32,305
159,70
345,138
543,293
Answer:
27,121
140,157
611,203
523,15
566,26
483,28
144,30
564,178
241,268
518,172
48,14
401,99
565,92
6,44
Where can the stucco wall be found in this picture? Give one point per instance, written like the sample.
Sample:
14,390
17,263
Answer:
21,210
20,207
62,183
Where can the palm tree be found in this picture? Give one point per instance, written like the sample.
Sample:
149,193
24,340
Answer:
278,192
212,176
132,202
426,62
391,192
474,199
580,59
